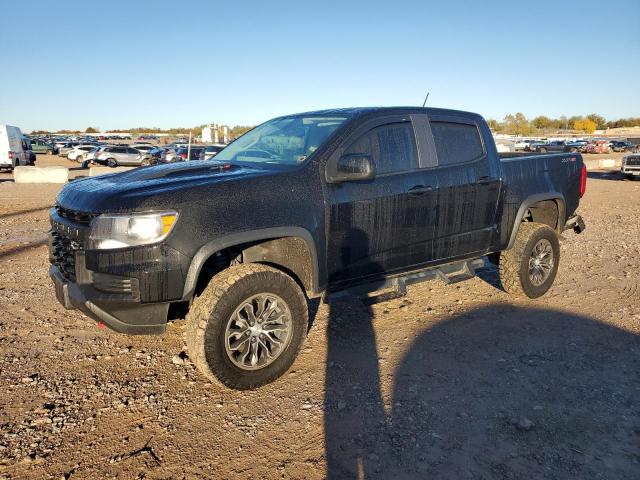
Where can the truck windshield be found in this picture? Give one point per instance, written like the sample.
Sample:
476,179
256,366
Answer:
285,141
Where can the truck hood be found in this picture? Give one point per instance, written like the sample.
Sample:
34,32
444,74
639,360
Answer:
154,185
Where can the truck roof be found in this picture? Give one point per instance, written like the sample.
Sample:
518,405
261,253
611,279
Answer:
358,111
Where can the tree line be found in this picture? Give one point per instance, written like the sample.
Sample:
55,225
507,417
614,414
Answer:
234,132
518,124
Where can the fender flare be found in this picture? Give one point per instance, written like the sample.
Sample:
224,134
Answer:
532,200
239,238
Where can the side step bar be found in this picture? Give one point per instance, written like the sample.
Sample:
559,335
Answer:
449,273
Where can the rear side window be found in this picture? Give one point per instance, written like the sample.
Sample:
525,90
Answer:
392,147
456,142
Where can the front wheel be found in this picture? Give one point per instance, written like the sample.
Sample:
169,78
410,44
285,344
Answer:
543,150
111,162
247,327
529,268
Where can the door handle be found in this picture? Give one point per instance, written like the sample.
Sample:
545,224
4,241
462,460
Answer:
487,179
420,189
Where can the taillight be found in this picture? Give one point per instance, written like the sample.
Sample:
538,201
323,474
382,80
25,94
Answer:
183,155
583,180
10,155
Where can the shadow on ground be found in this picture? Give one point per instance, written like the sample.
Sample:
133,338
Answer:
612,175
499,392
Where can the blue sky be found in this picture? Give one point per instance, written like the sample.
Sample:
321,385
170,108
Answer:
116,64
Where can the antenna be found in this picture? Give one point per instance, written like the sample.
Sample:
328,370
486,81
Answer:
425,100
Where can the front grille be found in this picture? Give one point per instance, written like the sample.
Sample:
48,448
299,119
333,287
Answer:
633,160
63,254
83,218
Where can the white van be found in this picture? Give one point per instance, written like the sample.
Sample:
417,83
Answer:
12,152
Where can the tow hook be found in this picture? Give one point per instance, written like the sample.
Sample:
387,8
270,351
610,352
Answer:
575,223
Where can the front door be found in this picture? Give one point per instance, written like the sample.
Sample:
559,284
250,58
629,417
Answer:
370,225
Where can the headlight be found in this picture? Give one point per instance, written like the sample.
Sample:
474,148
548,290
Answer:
119,231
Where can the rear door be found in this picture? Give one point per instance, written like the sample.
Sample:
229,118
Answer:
132,155
456,189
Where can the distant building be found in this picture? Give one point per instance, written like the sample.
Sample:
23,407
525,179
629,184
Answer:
215,133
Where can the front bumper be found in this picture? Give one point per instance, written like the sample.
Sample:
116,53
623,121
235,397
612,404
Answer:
115,311
129,290
630,170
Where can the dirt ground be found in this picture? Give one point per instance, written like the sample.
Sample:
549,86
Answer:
450,382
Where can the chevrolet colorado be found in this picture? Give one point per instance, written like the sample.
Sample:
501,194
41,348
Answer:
300,207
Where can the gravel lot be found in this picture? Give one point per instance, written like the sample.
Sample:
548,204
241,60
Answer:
452,381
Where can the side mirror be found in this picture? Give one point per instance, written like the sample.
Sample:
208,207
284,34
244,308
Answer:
351,168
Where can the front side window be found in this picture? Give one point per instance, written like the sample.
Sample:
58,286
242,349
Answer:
392,147
456,142
284,141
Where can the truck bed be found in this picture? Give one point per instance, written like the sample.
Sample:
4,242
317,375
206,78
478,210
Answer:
527,176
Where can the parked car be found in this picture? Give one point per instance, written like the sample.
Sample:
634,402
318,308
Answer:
524,144
533,146
197,153
630,168
211,151
598,146
155,155
622,146
301,207
143,147
12,153
557,146
78,152
31,155
115,155
65,148
92,154
574,146
170,155
39,146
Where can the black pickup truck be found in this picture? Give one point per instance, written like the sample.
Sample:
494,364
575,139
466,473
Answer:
300,207
558,146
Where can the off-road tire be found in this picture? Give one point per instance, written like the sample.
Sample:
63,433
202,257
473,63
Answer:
514,263
211,310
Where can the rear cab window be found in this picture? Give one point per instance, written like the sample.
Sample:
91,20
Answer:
456,142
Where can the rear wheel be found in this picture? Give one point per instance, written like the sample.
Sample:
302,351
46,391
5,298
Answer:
543,150
79,159
111,162
529,268
574,150
247,327
49,152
